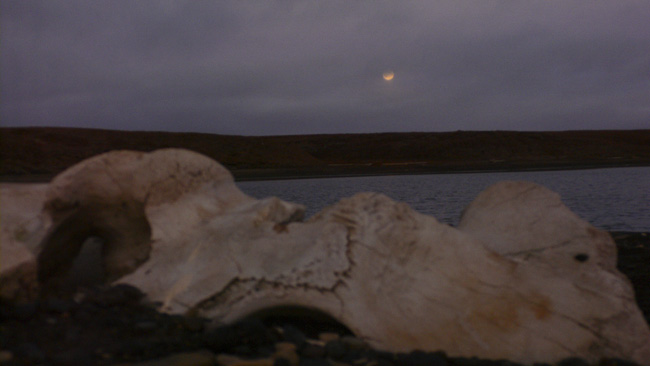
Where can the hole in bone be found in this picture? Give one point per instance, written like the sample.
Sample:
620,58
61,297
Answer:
88,268
310,321
61,246
113,239
581,257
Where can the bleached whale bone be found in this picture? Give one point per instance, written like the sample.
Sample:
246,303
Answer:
499,286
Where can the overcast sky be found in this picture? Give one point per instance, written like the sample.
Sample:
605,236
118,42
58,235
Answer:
296,67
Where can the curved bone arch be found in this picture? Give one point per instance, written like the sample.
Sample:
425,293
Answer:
521,278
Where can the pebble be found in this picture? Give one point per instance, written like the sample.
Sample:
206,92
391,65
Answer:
57,305
31,352
314,362
615,362
240,362
573,361
285,347
286,351
383,362
6,356
253,332
227,360
24,311
220,339
473,361
335,349
294,335
146,326
336,363
72,335
75,357
312,351
353,343
118,295
199,358
328,337
283,362
194,324
420,358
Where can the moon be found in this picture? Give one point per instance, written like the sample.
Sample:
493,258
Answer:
388,75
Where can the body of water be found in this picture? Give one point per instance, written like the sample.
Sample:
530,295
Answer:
615,199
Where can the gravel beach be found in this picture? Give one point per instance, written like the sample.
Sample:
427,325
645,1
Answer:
114,326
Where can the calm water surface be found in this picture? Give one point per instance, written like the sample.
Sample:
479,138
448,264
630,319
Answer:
611,199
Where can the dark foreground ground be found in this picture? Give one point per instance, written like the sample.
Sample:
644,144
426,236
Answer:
112,326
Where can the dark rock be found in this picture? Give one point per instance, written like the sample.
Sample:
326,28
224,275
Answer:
57,305
145,326
118,295
420,358
335,350
6,357
245,350
616,362
312,351
353,343
244,337
220,339
573,361
473,361
382,358
31,352
506,363
138,348
281,361
464,361
193,358
314,362
72,334
265,351
6,310
633,257
294,335
253,332
23,311
383,362
72,358
194,324
85,314
128,348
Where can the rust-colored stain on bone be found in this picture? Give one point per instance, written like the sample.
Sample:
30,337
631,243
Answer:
281,228
542,307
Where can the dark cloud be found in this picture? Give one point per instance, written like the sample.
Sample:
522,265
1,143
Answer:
253,67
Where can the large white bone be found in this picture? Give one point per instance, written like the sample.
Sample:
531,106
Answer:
522,278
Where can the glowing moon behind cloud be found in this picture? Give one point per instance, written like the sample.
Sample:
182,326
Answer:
388,75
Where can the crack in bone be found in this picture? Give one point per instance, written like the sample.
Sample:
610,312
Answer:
376,264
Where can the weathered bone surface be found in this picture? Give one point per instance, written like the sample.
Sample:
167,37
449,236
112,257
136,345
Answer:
131,200
21,232
546,233
17,272
522,278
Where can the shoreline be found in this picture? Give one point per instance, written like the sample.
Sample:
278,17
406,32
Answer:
261,174
365,171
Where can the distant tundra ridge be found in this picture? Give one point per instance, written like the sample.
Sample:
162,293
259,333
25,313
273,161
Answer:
38,153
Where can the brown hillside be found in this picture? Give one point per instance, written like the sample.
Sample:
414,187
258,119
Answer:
51,150
28,151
